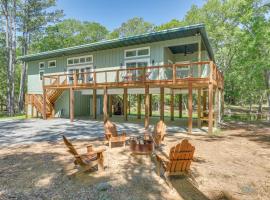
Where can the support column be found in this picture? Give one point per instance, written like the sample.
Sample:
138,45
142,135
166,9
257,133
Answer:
172,105
44,104
150,105
147,103
110,104
204,103
189,107
222,104
162,103
210,100
199,90
32,107
129,104
199,108
71,104
180,105
139,103
94,104
105,102
216,108
125,104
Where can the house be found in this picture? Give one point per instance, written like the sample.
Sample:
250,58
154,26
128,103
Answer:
81,80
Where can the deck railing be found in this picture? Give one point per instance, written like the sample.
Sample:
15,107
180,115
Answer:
151,74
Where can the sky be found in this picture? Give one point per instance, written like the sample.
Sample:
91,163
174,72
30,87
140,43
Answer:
112,13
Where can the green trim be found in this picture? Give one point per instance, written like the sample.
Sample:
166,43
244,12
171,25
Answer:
127,41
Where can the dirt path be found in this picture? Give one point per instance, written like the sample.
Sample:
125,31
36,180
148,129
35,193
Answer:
232,165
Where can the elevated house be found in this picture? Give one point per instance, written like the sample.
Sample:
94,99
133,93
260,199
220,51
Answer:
81,80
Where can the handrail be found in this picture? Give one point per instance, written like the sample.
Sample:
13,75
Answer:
168,73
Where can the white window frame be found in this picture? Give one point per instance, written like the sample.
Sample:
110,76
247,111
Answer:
137,60
51,62
136,49
81,67
43,65
79,57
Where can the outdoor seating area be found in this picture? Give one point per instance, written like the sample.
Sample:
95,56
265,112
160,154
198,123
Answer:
177,163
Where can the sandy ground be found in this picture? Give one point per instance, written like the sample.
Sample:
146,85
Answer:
233,164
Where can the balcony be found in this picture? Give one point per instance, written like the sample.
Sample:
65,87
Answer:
174,75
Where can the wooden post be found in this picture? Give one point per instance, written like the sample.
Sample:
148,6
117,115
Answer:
199,75
162,103
222,104
139,102
105,104
210,100
150,105
129,104
147,102
180,105
110,104
44,104
216,108
172,105
204,103
94,104
125,104
71,104
32,107
189,107
199,108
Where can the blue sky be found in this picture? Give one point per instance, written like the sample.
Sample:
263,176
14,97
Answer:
112,13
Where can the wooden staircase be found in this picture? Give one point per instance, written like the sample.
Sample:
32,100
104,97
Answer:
36,100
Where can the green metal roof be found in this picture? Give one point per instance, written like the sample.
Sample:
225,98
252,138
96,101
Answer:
128,41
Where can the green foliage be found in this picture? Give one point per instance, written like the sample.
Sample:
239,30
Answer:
134,26
174,23
68,33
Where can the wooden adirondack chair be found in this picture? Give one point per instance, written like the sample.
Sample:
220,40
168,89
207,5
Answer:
159,132
179,160
88,160
111,134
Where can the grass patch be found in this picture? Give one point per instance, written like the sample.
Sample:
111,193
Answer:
18,116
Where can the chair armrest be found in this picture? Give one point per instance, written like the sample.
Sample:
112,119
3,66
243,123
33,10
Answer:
161,156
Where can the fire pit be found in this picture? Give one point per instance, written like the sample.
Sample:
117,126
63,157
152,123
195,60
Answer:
141,145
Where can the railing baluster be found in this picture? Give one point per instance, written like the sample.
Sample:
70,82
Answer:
174,73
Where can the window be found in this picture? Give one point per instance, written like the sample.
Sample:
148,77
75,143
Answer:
52,63
131,53
41,65
80,60
41,74
138,63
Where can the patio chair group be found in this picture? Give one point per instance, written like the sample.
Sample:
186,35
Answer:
176,162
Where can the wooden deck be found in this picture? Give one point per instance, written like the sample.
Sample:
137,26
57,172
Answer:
204,77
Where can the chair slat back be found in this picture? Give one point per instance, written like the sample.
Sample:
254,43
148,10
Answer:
70,146
110,129
180,157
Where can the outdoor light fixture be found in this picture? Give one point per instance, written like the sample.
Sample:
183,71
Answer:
153,62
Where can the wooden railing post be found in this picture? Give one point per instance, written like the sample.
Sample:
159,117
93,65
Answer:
94,78
174,73
117,76
75,78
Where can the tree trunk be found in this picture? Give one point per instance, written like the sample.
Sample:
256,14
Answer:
267,81
23,73
259,113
